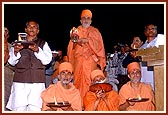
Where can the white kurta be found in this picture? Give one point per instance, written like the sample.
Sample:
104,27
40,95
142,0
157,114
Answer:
25,94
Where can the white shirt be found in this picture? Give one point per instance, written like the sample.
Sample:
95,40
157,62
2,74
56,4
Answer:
44,55
159,40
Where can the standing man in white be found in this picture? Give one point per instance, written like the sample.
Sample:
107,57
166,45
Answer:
153,39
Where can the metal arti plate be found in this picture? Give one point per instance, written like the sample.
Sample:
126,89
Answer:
138,100
101,86
60,104
24,43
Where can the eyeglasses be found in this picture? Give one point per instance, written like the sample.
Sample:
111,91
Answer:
137,72
149,29
65,73
86,18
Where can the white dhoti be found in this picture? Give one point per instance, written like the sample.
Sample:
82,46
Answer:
26,97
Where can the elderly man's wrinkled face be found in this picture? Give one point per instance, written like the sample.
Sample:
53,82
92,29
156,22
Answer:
86,21
135,75
65,77
98,79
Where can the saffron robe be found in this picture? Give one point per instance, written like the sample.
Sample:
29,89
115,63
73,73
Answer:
85,58
71,95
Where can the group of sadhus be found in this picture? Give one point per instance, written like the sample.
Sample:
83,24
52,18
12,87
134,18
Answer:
89,90
82,85
100,96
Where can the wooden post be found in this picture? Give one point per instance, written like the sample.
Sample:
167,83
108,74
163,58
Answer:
155,57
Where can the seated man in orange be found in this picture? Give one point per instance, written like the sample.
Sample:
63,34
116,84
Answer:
54,77
100,99
136,89
63,90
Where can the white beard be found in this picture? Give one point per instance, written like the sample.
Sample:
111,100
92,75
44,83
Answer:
66,82
86,25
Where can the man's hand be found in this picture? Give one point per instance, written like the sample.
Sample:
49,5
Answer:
53,109
34,47
82,41
68,108
100,94
17,48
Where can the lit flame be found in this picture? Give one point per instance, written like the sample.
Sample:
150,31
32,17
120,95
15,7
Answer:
74,31
139,97
19,38
134,47
55,100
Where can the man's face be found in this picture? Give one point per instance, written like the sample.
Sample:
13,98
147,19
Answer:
32,29
6,32
137,42
86,21
65,77
151,31
135,75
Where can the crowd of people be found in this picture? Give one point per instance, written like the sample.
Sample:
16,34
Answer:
86,79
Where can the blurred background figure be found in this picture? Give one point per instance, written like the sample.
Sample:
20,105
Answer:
8,69
111,71
52,66
6,46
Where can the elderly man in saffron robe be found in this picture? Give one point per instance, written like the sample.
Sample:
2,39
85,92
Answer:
101,96
86,53
133,92
62,91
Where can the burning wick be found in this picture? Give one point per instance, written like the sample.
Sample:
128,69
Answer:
74,31
134,47
139,98
55,100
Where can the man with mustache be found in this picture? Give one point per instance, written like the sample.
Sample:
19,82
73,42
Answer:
153,39
29,78
62,91
135,89
86,52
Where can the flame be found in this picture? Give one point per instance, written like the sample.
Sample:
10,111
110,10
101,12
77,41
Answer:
19,38
55,100
134,47
74,31
139,97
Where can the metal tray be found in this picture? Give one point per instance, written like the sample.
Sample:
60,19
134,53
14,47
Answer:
61,104
138,100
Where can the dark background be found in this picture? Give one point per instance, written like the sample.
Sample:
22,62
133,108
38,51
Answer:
116,22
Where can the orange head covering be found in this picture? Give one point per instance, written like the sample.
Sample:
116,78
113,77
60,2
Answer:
65,66
86,12
96,72
132,66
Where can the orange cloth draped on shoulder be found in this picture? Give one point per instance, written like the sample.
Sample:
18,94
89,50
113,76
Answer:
6,51
71,95
112,97
144,91
85,58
